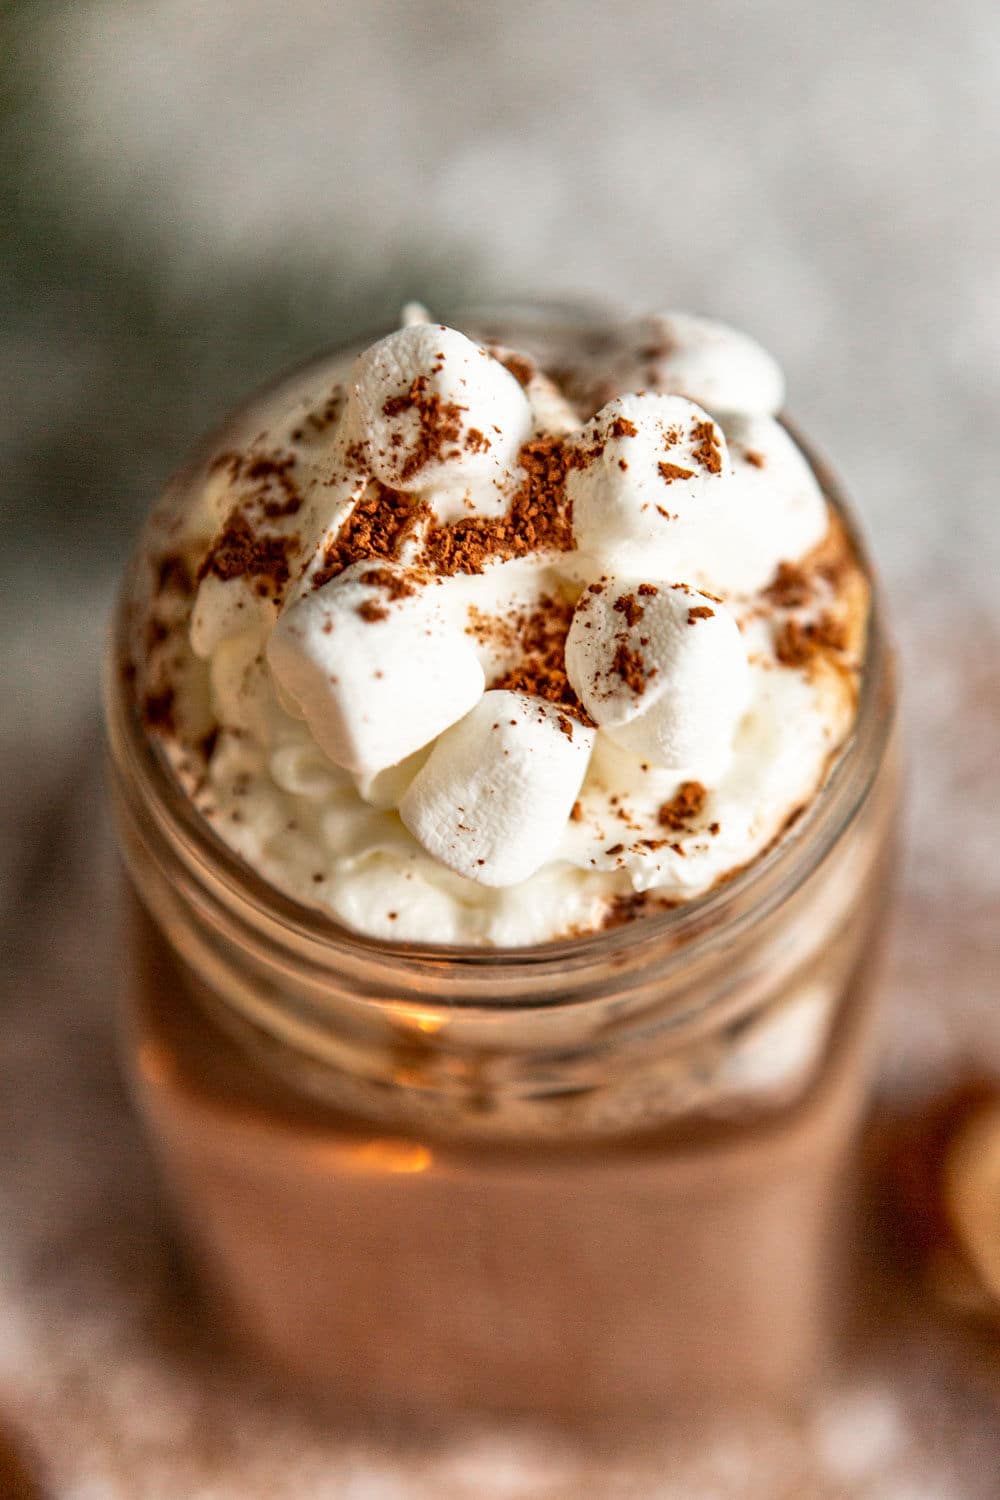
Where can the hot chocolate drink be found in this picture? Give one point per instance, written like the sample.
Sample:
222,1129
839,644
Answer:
500,725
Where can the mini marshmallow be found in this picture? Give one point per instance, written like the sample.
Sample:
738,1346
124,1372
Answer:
227,607
662,669
782,513
495,796
376,665
711,363
440,416
553,412
653,480
386,788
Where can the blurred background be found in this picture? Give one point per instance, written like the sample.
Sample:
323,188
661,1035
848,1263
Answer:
194,194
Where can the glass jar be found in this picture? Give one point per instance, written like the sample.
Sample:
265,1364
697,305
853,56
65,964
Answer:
586,1179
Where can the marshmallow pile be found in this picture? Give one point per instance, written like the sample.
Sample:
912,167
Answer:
683,500
426,383
663,670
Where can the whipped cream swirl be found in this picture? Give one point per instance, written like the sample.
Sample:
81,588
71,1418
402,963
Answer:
463,652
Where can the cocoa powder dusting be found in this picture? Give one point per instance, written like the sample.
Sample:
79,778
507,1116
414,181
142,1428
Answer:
670,472
686,804
539,637
790,588
440,424
629,905
520,366
631,668
629,606
371,611
266,478
173,575
797,644
539,519
241,551
707,450
395,585
276,492
377,527
158,711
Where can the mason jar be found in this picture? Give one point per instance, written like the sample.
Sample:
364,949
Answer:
589,1179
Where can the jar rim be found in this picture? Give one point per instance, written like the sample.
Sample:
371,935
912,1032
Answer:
554,969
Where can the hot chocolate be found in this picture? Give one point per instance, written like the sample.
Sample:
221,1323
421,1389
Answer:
501,732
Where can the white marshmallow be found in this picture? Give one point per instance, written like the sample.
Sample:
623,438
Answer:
686,669
385,789
375,677
711,363
465,392
494,798
227,607
653,486
553,413
781,512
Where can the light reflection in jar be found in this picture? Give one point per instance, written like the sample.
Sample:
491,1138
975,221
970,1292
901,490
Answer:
382,1155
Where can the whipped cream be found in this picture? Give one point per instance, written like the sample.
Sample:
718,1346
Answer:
465,650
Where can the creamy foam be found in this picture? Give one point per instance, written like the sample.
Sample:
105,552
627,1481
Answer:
463,653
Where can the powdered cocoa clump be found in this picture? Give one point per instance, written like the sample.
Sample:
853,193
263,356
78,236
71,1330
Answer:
797,644
685,805
242,551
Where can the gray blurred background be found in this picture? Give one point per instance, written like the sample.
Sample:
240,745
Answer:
196,192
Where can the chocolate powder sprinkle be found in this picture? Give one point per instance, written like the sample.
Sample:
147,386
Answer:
173,575
670,472
243,552
707,450
790,588
622,427
686,804
377,528
631,668
797,644
158,710
396,586
540,517
371,611
629,606
625,908
539,637
269,474
440,424
520,366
